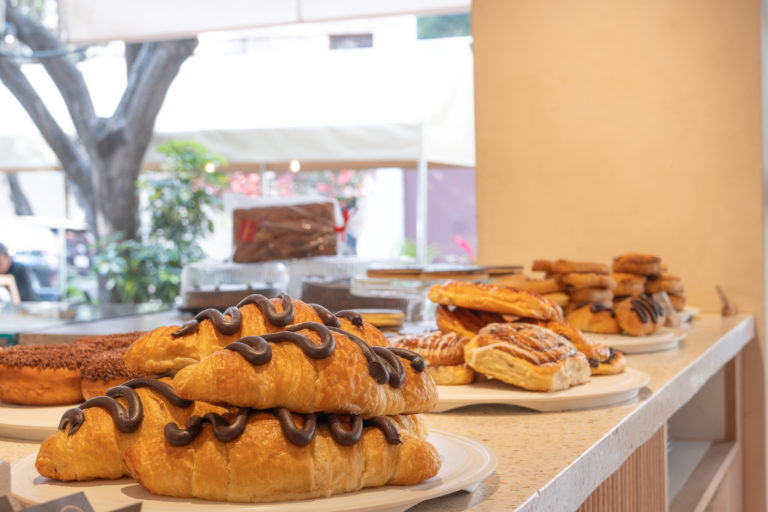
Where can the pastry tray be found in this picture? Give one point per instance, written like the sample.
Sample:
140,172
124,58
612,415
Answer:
663,339
30,422
601,390
465,463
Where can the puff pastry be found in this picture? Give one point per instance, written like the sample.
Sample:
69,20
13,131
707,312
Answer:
174,347
602,360
341,381
444,353
262,465
462,321
528,356
494,299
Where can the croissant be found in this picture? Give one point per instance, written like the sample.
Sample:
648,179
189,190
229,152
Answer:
90,444
263,465
174,347
310,368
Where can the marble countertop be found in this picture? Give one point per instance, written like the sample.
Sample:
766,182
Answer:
553,461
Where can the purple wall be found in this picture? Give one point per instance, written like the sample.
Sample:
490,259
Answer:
451,210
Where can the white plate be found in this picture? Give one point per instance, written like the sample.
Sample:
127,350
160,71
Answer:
601,390
663,339
465,463
30,422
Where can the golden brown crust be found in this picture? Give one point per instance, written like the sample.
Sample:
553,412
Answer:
585,319
591,295
639,316
494,299
159,351
568,267
541,286
589,280
339,383
678,301
628,284
435,347
642,264
664,283
527,356
560,298
40,386
452,375
457,320
262,466
615,365
542,265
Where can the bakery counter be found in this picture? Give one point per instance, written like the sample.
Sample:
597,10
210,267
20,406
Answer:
554,461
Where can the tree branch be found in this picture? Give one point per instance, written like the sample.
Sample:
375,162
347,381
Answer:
131,52
62,70
72,159
19,199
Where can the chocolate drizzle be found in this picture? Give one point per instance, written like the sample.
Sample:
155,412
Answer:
353,316
597,308
256,349
235,322
326,316
645,307
222,429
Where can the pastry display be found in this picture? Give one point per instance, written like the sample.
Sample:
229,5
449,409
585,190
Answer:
304,410
494,299
444,354
41,374
528,356
655,277
174,347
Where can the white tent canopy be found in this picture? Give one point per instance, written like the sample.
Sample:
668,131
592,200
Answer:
361,106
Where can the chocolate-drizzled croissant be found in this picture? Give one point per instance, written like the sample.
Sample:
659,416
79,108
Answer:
174,347
315,368
263,465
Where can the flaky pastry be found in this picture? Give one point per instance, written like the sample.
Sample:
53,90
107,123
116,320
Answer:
494,299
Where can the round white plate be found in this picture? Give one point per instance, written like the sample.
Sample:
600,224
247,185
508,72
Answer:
465,463
30,422
663,339
601,390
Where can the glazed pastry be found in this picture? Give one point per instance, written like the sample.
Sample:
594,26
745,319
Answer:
542,265
174,347
602,360
541,286
494,299
41,374
592,295
664,283
628,284
262,464
462,321
444,354
569,267
527,356
560,298
92,438
311,368
588,280
639,316
597,318
642,264
678,301
103,371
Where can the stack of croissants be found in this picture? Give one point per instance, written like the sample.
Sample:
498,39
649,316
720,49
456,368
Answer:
273,400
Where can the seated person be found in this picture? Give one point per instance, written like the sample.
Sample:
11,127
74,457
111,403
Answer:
19,272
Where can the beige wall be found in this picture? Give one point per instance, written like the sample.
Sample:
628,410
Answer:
609,126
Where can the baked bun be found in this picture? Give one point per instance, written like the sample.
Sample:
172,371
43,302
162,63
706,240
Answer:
639,316
174,347
589,280
569,267
678,301
602,360
527,356
597,318
542,265
41,374
560,298
311,368
444,353
642,264
494,299
664,283
591,295
628,284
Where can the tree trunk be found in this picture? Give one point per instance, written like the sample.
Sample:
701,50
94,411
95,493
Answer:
20,202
